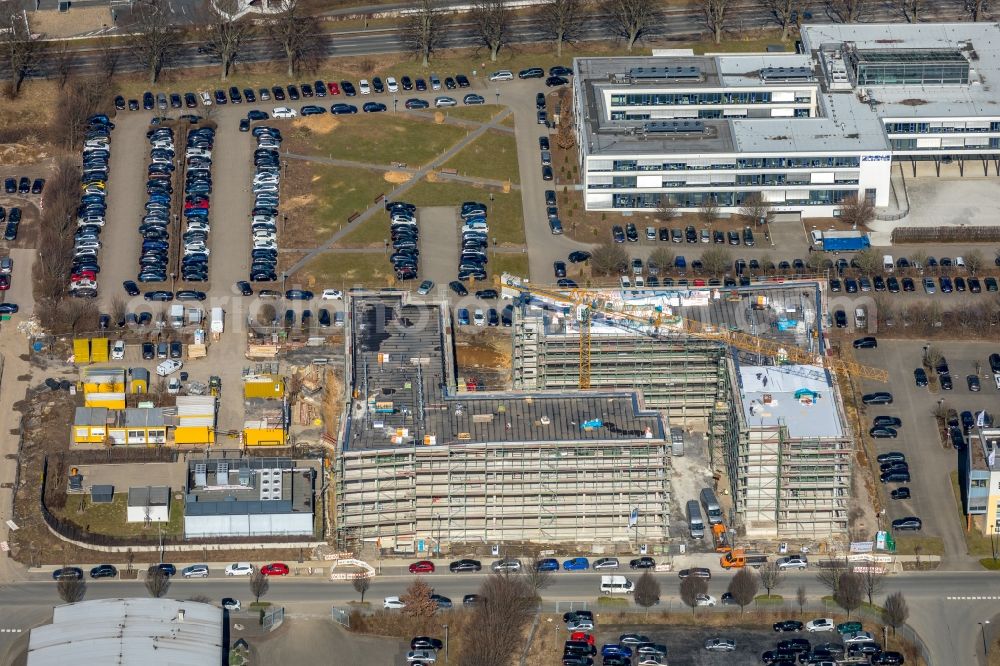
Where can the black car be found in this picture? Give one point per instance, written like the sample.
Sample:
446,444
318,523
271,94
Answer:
68,573
190,295
158,295
298,295
787,625
573,616
487,294
348,88
458,288
877,398
130,288
168,569
795,645
465,565
119,103
24,185
946,383
531,73
866,343
10,185
425,643
554,81
578,256
559,268
883,432
420,85
279,93
901,493
887,422
148,101
104,571
973,383
244,288
148,350
642,563
462,80
920,377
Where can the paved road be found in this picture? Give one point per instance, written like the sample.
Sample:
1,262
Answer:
948,624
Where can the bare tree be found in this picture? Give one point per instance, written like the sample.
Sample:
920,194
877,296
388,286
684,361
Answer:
110,56
973,261
424,29
800,597
977,9
770,576
691,588
666,210
857,211
297,34
633,19
225,37
872,581
829,574
744,586
848,11
418,600
895,612
19,50
61,58
868,261
562,20
259,584
755,208
911,9
157,582
609,259
154,39
716,260
118,308
536,579
786,13
491,24
849,593
815,260
83,98
361,585
715,16
71,590
647,590
662,257
708,211
506,606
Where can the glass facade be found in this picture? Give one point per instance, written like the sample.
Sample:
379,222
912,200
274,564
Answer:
938,128
696,199
887,67
841,161
699,98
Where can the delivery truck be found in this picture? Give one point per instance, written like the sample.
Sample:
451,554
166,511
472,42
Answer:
737,559
217,320
845,241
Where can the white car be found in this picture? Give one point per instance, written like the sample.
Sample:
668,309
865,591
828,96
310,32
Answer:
364,88
479,319
118,350
421,656
444,100
390,83
393,603
820,624
231,604
332,295
196,571
859,637
606,563
206,99
174,386
502,75
704,600
720,644
283,112
793,562
239,569
580,625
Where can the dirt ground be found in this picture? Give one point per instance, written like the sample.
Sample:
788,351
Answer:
301,638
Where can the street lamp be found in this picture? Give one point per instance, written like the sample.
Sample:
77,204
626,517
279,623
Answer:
982,627
445,642
498,96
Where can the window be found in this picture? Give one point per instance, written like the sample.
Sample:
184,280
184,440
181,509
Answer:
978,483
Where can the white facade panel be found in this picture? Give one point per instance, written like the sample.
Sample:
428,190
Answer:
782,113
266,524
928,142
783,96
649,181
821,177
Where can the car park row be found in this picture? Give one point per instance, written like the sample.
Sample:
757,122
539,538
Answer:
405,239
475,242
264,217
154,227
197,203
92,212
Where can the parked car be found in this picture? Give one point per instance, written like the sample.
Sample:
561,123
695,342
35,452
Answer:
465,565
104,571
239,569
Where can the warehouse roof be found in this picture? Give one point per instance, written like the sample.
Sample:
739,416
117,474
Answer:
151,632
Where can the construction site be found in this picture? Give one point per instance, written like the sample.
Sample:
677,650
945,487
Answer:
579,447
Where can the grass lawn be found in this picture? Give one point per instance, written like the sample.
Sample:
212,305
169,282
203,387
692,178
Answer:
505,262
345,270
480,113
907,545
322,199
508,121
493,155
504,212
380,138
109,519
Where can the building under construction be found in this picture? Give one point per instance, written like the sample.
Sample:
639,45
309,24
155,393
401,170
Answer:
780,429
421,465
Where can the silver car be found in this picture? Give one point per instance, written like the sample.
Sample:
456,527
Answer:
195,570
444,101
606,563
512,566
720,644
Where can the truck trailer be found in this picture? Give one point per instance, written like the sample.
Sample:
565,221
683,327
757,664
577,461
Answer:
740,558
845,241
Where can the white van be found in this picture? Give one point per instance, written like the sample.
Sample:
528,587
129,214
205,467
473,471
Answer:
616,585
887,263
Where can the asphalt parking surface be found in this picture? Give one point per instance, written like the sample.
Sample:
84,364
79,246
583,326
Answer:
931,463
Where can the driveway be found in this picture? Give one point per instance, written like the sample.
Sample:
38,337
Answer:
302,638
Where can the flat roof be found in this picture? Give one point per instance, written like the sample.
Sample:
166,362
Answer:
147,417
149,495
979,43
401,374
97,416
799,397
129,631
239,490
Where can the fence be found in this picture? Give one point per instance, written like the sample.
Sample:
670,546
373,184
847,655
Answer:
274,619
341,616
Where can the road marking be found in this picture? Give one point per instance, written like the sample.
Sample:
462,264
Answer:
10,631
973,598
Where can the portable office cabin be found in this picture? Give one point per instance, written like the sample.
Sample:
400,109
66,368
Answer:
264,386
81,350
90,425
99,350
109,399
138,380
195,420
102,380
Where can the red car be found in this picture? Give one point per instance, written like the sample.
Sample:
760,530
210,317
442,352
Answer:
333,88
423,566
275,569
582,636
4,282
188,205
82,275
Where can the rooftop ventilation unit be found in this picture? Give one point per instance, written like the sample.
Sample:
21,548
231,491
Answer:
776,74
200,475
675,127
685,73
222,473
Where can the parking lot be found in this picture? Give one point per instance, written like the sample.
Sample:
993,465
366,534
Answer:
931,462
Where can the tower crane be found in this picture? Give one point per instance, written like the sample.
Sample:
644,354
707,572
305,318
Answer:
655,322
